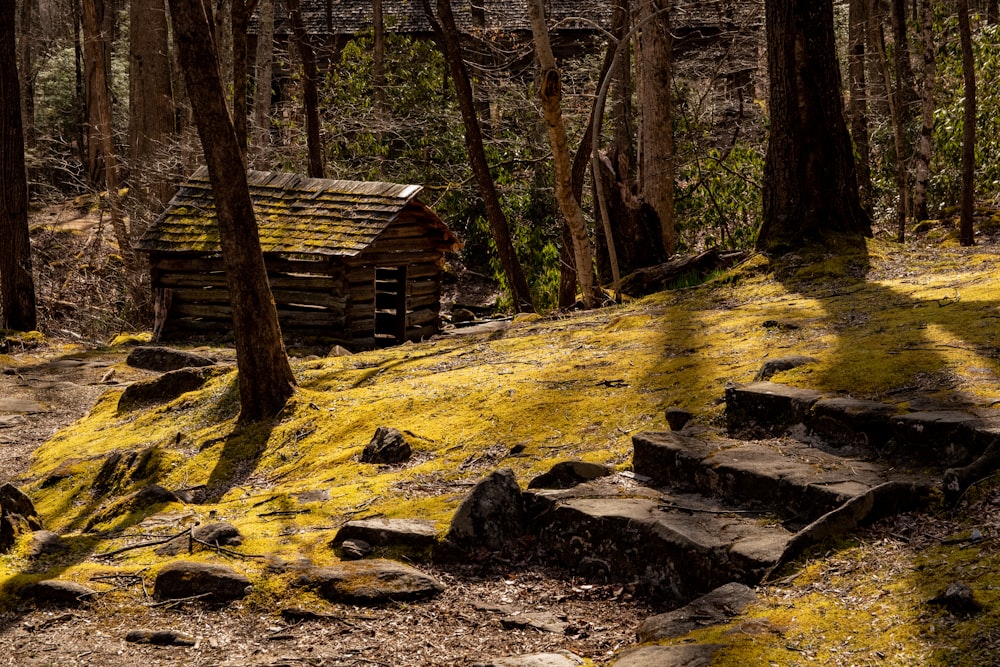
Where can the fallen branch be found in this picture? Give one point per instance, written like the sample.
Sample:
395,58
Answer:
143,545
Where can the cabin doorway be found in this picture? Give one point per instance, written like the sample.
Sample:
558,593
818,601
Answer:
390,305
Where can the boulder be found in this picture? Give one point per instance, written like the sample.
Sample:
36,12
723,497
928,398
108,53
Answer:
407,533
387,446
491,516
56,592
371,582
677,418
184,579
45,543
567,474
219,534
17,516
165,388
163,359
713,608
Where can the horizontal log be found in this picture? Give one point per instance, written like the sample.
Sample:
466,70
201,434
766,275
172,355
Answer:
281,298
390,258
275,264
289,314
425,270
422,301
422,332
280,281
421,317
422,287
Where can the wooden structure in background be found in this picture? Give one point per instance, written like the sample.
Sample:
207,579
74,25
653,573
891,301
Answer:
351,262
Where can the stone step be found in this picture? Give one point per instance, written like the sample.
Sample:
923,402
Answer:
944,438
796,481
670,545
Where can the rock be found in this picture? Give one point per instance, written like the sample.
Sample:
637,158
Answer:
713,608
163,359
772,366
56,592
561,659
45,543
409,533
567,474
688,655
144,498
491,516
355,549
121,468
958,599
183,579
17,516
219,534
766,408
339,351
541,622
460,315
371,582
160,638
677,418
387,446
165,388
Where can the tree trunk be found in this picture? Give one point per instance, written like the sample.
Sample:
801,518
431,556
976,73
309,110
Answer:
17,288
101,130
97,72
550,92
923,155
810,182
448,41
80,106
310,93
263,68
966,232
656,135
265,378
151,103
26,67
857,107
878,96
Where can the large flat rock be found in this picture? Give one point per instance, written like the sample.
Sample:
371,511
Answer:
674,546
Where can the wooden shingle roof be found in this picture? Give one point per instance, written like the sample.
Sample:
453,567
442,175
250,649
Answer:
295,215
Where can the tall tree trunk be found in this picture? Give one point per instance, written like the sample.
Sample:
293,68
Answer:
448,40
101,130
923,155
26,67
656,140
878,95
80,97
550,92
379,28
310,93
97,73
17,288
810,182
151,103
857,107
966,232
265,378
263,68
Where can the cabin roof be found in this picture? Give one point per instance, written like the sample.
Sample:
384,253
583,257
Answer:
295,215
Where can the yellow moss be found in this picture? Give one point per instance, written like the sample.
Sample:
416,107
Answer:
121,340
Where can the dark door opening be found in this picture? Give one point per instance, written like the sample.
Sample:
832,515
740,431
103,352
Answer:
390,305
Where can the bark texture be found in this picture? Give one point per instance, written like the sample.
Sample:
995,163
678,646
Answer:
966,232
857,107
263,70
265,378
810,182
17,288
923,154
310,91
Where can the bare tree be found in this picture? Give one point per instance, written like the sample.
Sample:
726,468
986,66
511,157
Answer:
17,288
265,378
966,232
448,42
311,91
857,106
550,92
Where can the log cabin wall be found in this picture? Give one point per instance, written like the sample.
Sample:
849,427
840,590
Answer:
358,264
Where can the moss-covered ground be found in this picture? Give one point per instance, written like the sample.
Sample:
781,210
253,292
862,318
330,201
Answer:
892,323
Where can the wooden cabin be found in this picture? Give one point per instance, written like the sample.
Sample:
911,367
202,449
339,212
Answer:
356,263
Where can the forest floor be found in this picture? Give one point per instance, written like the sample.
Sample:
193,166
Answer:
857,603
